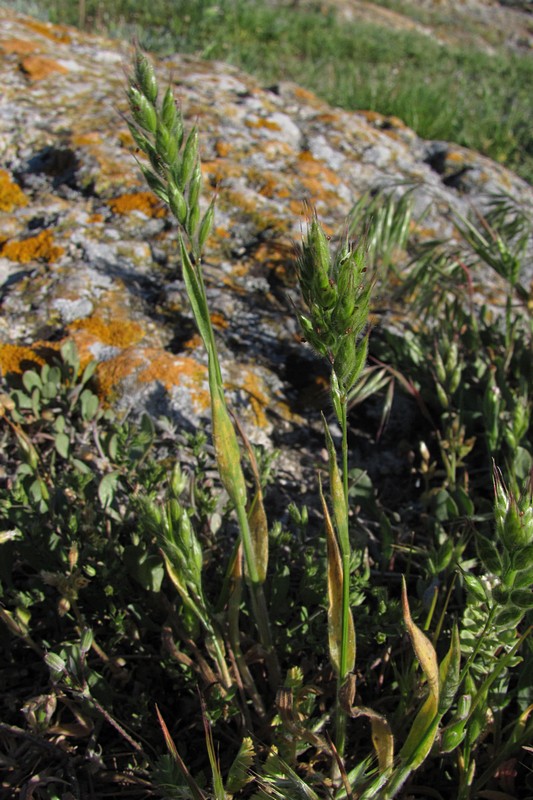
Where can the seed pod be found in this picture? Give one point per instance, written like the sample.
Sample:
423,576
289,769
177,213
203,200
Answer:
452,736
145,77
195,186
167,146
442,396
452,358
438,363
169,113
517,529
192,220
140,139
206,225
142,110
156,184
347,296
455,379
317,266
177,203
190,156
350,361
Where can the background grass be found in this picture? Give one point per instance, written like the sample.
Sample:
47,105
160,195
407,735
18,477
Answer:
456,93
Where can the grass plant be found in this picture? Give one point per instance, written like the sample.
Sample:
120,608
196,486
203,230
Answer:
456,93
124,566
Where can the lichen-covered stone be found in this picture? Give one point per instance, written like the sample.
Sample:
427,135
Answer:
87,253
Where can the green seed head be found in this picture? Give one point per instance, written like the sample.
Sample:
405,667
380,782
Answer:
142,110
145,77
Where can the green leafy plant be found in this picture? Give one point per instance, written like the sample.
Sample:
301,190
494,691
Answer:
154,602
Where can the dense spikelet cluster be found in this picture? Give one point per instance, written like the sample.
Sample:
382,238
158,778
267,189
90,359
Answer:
173,173
336,292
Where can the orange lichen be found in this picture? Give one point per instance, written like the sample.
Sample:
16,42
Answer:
116,333
268,183
35,248
39,67
146,202
193,343
58,33
306,95
16,358
96,217
219,320
175,370
253,385
19,46
11,195
110,373
455,157
261,122
219,169
222,148
328,118
87,138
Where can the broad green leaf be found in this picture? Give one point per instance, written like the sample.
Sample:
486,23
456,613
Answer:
106,488
31,380
62,444
449,672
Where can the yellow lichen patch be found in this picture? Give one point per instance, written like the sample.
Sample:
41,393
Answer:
39,67
175,371
262,122
384,123
309,165
253,385
35,248
306,96
219,169
19,46
11,195
219,320
16,358
222,148
110,373
58,33
193,343
116,333
146,202
96,217
328,118
268,183
455,158
277,256
86,139
315,176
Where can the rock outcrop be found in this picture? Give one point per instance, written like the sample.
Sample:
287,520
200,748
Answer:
87,253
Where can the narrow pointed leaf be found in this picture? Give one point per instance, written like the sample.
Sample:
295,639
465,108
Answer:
335,583
424,650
